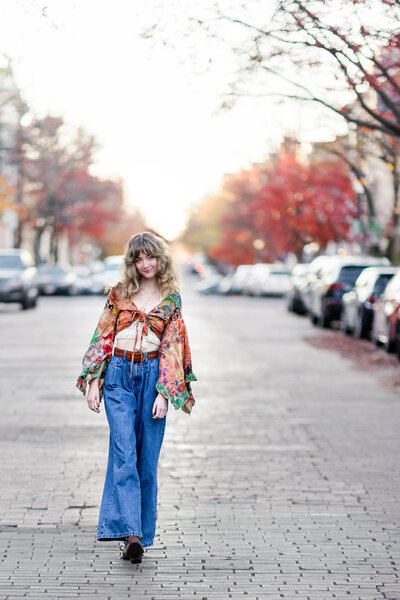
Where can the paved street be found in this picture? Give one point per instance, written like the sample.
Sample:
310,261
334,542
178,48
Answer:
283,483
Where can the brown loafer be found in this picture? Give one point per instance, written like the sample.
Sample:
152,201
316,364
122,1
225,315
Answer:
133,550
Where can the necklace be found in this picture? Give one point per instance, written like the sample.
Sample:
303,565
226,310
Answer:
147,300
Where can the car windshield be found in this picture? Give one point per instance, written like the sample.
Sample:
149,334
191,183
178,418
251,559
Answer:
382,282
280,273
51,270
349,274
11,261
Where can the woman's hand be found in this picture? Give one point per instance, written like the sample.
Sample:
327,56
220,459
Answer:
160,407
93,397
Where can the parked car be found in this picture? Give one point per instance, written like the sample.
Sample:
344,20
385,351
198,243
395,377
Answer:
209,285
336,277
57,279
18,278
386,324
110,275
240,279
357,311
313,273
267,279
83,280
225,284
297,283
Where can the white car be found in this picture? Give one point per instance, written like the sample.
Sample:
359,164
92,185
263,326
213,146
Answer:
269,279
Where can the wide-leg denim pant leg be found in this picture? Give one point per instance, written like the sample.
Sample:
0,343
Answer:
129,502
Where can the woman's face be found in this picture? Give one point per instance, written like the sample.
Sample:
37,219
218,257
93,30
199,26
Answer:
146,265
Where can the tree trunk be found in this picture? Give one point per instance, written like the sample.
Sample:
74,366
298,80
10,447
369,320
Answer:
393,249
36,244
54,239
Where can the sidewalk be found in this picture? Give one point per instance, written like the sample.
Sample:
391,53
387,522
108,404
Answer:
283,483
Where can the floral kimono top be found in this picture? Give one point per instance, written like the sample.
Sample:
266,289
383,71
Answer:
166,321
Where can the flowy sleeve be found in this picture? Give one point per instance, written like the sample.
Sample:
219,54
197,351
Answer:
98,355
175,365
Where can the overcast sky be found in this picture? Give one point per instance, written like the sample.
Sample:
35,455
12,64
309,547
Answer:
152,108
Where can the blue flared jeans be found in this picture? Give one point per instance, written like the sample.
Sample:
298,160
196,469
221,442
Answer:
129,502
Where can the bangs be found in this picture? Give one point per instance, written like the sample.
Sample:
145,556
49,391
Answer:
148,246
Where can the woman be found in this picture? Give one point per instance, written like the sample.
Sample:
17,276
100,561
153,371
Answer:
138,359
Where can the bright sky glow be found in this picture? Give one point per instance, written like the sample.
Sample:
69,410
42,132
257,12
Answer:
153,114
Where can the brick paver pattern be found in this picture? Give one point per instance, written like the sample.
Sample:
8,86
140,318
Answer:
283,483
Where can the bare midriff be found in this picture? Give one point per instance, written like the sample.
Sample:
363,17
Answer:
128,344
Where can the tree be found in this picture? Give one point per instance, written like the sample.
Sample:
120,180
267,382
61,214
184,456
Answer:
64,196
237,221
12,109
304,203
88,207
325,50
279,207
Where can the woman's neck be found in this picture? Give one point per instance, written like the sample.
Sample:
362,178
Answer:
146,285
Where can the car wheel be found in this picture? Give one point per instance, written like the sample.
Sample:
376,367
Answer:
324,320
344,326
374,338
360,329
72,290
389,345
26,303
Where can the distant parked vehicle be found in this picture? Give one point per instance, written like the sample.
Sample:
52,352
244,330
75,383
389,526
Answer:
297,283
313,273
109,276
267,279
18,278
357,312
209,285
225,284
57,279
386,324
84,280
336,277
240,279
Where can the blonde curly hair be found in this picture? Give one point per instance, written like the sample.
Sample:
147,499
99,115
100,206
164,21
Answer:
153,245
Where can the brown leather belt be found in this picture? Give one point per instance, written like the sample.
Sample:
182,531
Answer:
136,356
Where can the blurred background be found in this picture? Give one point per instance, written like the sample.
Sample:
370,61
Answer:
260,141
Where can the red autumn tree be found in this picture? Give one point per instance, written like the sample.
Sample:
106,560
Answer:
304,203
237,223
64,196
88,205
285,205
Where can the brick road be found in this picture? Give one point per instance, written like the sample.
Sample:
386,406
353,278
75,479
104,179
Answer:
283,483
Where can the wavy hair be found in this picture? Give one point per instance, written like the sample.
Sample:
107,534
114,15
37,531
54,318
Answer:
151,244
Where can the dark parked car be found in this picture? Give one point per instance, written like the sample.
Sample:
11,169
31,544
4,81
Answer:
336,277
57,279
297,284
357,312
386,324
18,278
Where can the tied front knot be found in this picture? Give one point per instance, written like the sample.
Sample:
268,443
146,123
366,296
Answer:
140,317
